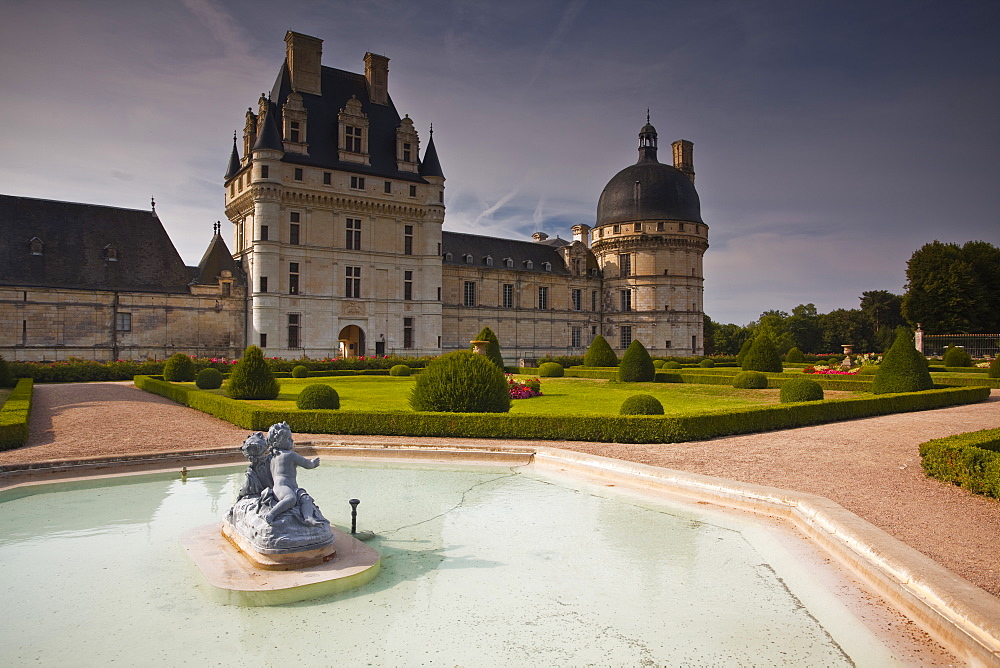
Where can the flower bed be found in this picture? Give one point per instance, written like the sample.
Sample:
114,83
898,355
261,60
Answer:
526,390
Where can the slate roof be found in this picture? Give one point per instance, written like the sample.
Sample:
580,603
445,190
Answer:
459,244
431,166
322,126
74,237
217,259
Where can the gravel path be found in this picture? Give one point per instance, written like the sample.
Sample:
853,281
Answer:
870,466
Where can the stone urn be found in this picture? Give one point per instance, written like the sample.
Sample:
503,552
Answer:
479,347
848,349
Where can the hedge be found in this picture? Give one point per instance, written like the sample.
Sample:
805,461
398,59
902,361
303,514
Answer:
14,415
601,428
970,460
958,369
966,382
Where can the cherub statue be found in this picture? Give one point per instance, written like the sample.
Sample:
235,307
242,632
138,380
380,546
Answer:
285,489
258,476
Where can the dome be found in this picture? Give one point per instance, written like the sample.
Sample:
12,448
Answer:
648,190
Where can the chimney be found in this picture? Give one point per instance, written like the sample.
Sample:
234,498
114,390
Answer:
539,236
581,234
684,157
304,55
377,73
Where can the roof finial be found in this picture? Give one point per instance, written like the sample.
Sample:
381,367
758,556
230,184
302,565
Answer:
217,227
432,129
152,203
647,114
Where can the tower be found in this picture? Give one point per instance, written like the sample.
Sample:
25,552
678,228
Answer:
649,240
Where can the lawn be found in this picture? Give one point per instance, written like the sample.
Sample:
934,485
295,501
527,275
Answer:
560,396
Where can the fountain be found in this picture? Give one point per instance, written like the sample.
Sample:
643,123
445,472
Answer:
275,546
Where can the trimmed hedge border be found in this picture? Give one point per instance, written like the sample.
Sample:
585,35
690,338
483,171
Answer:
970,460
967,382
14,415
603,428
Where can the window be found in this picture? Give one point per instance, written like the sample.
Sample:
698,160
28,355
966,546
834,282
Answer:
447,257
293,330
353,234
441,196
293,233
469,293
488,260
625,336
408,153
616,228
110,253
327,178
263,232
352,136
543,297
547,266
407,239
694,342
353,287
637,227
508,295
263,174
574,337
293,278
227,289
624,264
577,300
467,258
298,173
358,182
407,333
692,271
659,227
626,299
528,264
667,343
508,262
294,216
295,131
263,340
439,294
593,300
387,187
413,191
123,322
680,227
263,283
577,267
407,285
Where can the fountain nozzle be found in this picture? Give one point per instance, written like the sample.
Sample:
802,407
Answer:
354,515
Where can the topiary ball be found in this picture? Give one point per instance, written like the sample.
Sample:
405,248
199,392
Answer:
658,364
400,370
672,364
957,357
209,379
762,356
318,396
300,371
868,370
461,382
642,404
750,380
795,356
706,363
800,389
994,369
550,370
178,369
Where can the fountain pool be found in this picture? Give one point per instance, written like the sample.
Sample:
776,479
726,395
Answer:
481,565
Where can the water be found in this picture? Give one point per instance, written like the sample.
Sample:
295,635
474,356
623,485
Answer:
481,566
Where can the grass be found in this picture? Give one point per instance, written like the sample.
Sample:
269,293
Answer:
560,396
4,393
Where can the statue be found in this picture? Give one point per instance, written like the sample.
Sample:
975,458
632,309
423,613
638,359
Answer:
272,513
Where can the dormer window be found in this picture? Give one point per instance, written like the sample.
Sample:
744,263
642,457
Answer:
110,253
293,115
353,133
488,260
467,258
547,266
407,152
528,264
295,131
407,146
36,245
508,262
447,257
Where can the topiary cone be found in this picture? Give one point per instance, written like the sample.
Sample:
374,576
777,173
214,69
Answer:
493,349
762,356
600,353
252,378
902,369
636,365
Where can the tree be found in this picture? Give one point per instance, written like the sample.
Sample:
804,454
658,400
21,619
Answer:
884,312
729,338
845,326
952,289
775,325
804,327
493,353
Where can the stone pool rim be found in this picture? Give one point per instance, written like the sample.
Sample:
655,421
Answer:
962,617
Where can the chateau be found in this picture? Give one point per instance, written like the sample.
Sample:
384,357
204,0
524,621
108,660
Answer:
338,249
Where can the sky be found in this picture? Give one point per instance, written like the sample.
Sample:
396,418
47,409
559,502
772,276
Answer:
831,139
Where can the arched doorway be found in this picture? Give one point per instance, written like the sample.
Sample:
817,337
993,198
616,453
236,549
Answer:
352,341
